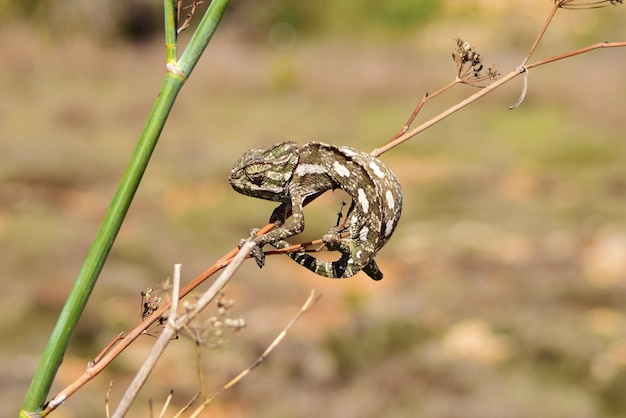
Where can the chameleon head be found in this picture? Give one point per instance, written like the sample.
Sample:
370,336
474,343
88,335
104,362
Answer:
265,173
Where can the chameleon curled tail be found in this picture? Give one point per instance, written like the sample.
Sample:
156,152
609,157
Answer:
344,267
289,174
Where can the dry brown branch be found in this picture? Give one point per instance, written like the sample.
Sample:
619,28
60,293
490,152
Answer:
486,90
541,33
158,348
192,11
569,54
94,369
108,348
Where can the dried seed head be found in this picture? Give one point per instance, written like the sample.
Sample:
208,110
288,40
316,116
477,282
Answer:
469,64
212,332
150,302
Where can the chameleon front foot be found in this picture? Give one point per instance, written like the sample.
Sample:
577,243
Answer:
257,251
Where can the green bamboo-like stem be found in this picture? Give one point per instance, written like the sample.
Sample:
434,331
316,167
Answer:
87,277
170,31
94,261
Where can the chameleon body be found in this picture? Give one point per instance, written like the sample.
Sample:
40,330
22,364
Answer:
290,174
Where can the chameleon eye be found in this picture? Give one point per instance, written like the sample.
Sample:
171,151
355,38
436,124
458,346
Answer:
256,177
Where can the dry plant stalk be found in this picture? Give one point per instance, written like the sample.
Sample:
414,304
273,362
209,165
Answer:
175,324
307,305
94,368
190,14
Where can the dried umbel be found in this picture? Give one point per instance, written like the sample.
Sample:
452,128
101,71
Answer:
469,64
212,332
150,302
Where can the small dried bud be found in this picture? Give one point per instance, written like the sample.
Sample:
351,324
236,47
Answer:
235,324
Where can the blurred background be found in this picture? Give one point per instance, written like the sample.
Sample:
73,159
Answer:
504,282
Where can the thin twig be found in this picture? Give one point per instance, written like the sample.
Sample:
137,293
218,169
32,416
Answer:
419,106
488,89
168,400
95,369
175,294
542,32
409,122
106,400
480,93
173,327
187,405
107,348
307,305
599,45
194,4
157,350
200,368
295,247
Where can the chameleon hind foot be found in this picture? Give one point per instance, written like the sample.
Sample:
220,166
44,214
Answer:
334,242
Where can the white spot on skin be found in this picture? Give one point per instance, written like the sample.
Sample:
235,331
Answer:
348,151
340,169
303,169
365,204
390,202
376,169
363,233
389,228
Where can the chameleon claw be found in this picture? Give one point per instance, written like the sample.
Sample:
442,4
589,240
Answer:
259,256
256,252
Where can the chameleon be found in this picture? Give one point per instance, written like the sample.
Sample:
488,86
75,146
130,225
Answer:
291,175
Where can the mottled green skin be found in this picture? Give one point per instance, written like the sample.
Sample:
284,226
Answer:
289,174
